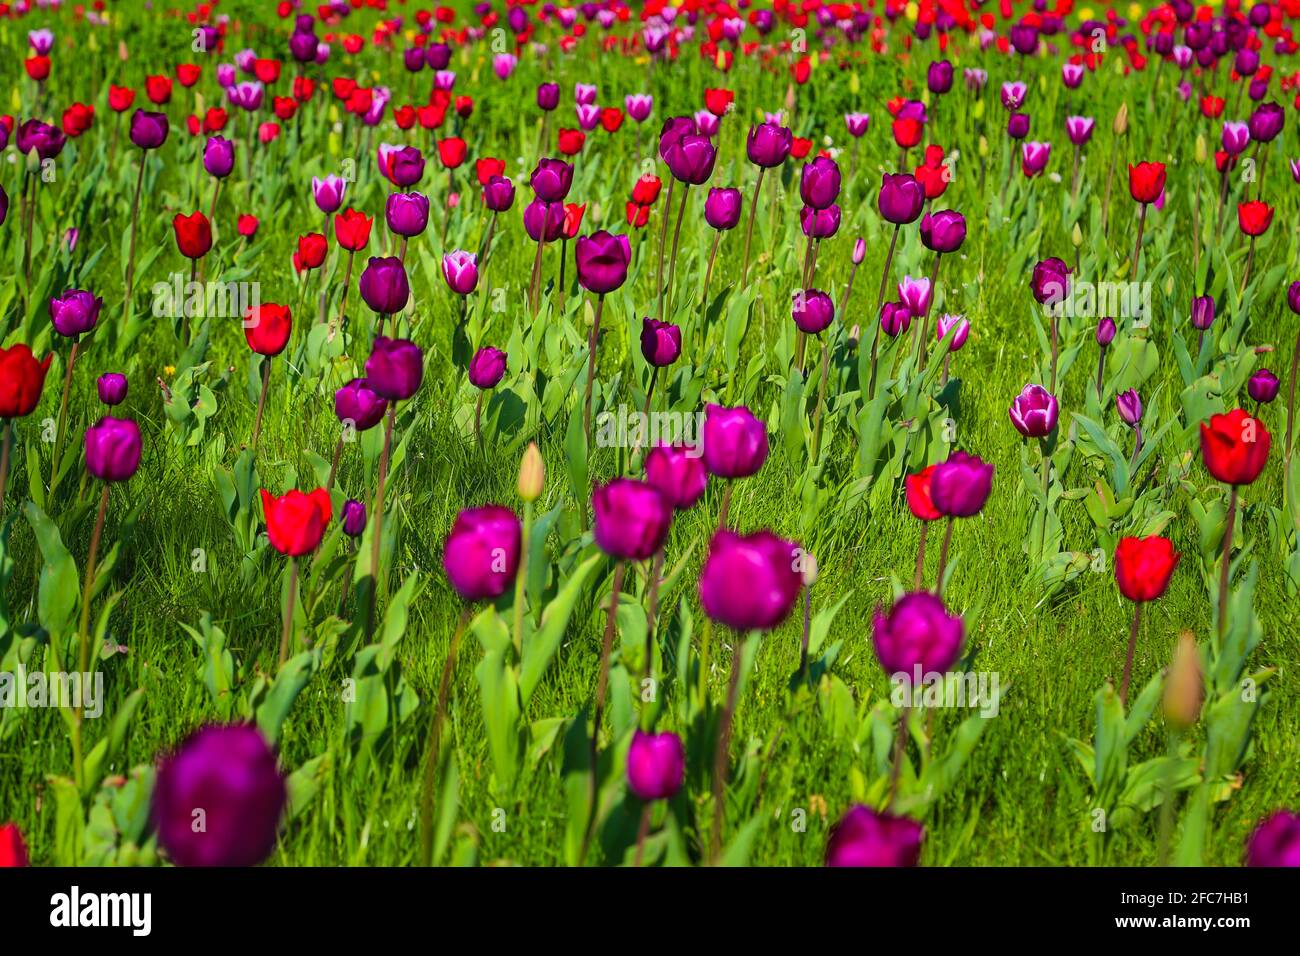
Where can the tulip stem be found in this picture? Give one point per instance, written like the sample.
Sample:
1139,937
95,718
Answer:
943,557
63,418
880,302
287,633
656,569
478,419
334,464
672,262
643,831
919,577
435,741
599,711
726,506
922,321
1225,564
592,342
708,276
379,518
821,402
1250,258
1290,420
900,749
347,282
29,213
521,579
1128,660
135,220
1137,246
749,230
663,239
1047,478
720,753
5,439
261,401
1101,371
807,630
534,290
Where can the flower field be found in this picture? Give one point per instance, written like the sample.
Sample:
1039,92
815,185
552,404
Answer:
755,434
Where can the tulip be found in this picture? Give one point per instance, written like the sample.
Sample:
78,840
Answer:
551,180
1263,387
231,775
735,446
112,388
1143,567
631,519
917,634
113,449
328,193
460,270
407,214
661,343
679,472
499,194
353,518
722,208
482,552
548,96
895,318
747,583
384,286
1018,125
358,406
219,157
13,851
767,146
819,183
486,369
1275,841
656,765
865,837
1050,282
311,252
918,489
1034,157
148,131
943,231
22,379
395,368
601,260
819,223
1034,412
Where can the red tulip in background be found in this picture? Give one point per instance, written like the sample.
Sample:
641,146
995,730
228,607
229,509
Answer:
352,229
1143,567
295,522
246,226
158,89
120,98
452,151
918,495
78,118
310,252
1235,447
38,67
571,140
718,102
193,234
611,118
1146,181
267,327
1254,217
487,167
13,851
188,74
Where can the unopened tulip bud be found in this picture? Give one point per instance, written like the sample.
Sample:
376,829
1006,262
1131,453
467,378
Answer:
984,146
809,570
855,336
1120,126
859,251
1201,150
532,474
1076,236
1183,686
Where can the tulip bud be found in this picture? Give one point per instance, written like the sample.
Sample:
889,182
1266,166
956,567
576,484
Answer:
809,570
1201,150
1183,686
1120,126
855,336
859,251
532,474
1076,236
984,146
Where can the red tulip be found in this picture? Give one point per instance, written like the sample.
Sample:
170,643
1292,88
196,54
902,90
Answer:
404,116
352,229
267,328
158,89
120,98
571,141
718,101
1254,217
214,120
303,88
572,219
907,132
38,67
1143,567
188,74
311,251
295,522
13,851
487,167
1146,181
1212,106
78,118
452,151
21,381
284,107
246,226
800,147
193,234
611,118
637,215
1235,447
267,71
919,501
646,191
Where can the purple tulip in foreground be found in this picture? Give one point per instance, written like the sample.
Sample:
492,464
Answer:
865,837
481,553
678,472
1034,411
1275,841
656,765
228,778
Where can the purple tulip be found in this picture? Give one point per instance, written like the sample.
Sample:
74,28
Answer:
722,208
1129,406
481,554
656,765
1013,95
47,141
544,221
1079,129
638,106
917,633
943,231
1105,332
303,47
895,318
353,518
218,156
901,199
602,260
403,166
735,442
690,159
148,130
948,322
584,93
1203,311
750,582
4,200
1266,122
112,388
938,77
438,55
328,193
820,223
551,180
661,342
819,183
1235,138
358,403
75,312
227,776
113,449
915,294
395,368
866,837
1071,75
1263,386
407,214
768,144
1034,411
1275,841
487,367
960,485
384,285
1050,282
859,250
631,519
857,124
678,472
812,311
548,96
460,270
499,194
